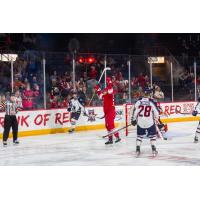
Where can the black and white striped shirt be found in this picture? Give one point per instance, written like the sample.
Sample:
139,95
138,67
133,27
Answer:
11,108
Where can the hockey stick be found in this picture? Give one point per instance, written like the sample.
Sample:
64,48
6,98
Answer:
184,113
159,133
116,130
107,68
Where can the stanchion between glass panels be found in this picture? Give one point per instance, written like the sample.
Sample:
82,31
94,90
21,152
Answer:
105,63
195,80
74,71
129,79
44,78
172,82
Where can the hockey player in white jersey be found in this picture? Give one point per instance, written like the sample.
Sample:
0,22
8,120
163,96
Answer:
76,106
194,113
144,116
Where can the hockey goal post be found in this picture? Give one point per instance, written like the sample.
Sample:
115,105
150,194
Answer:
129,107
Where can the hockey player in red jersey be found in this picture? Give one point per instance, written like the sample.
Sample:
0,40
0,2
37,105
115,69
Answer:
107,96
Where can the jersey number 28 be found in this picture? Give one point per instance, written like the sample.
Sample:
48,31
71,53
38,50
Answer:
144,111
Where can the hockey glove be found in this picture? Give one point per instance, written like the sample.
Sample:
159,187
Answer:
133,122
194,113
160,126
84,113
97,88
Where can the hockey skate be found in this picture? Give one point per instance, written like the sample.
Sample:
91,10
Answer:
118,140
109,142
196,139
16,142
71,130
137,151
154,151
5,143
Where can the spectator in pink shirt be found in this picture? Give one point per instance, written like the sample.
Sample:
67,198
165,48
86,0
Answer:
134,82
27,100
141,80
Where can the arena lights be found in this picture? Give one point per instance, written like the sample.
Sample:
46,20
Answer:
8,57
88,60
81,60
91,60
158,60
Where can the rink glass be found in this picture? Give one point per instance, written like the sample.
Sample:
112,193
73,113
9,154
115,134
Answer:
46,77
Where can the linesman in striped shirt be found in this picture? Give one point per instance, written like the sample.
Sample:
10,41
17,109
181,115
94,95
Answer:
10,107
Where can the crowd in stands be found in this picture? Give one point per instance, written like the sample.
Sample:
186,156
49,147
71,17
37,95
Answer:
186,81
138,85
28,83
62,87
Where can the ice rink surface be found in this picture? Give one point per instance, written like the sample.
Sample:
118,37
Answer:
88,149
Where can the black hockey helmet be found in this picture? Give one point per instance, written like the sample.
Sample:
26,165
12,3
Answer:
147,90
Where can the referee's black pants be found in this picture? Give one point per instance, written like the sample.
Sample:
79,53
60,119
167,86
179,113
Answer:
10,121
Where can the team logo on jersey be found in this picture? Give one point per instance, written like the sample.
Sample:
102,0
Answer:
91,116
119,114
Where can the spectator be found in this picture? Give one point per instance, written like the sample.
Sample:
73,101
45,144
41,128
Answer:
64,103
141,80
37,97
93,73
27,100
54,88
147,81
68,77
125,98
32,68
18,98
25,82
80,83
119,76
158,94
54,75
134,82
2,98
54,103
85,78
33,81
137,94
65,87
115,84
18,84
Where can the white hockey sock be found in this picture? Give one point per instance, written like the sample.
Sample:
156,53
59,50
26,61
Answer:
139,141
153,142
197,131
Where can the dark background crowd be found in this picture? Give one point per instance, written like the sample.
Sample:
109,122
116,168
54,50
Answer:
29,84
32,48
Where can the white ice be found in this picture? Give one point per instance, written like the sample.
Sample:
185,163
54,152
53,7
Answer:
87,148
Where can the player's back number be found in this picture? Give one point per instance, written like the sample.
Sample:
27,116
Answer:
144,111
